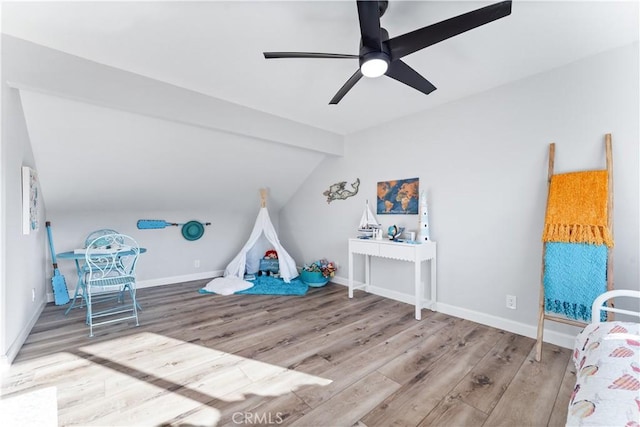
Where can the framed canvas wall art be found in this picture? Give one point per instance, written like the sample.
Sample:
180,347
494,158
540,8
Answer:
399,196
30,201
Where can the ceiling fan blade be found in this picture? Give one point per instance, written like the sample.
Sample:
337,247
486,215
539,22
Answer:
401,72
369,16
346,87
419,39
276,55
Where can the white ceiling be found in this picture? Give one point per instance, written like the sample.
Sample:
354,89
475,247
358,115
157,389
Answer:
91,158
216,48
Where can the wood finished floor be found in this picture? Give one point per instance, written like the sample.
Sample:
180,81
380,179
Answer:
317,360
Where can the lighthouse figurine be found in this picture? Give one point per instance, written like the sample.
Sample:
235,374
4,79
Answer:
424,218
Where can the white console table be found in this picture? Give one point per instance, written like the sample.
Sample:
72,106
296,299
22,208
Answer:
416,253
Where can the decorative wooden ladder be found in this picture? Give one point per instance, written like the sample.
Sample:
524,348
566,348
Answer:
542,315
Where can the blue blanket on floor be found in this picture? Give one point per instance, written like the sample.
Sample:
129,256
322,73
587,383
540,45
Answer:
574,275
267,285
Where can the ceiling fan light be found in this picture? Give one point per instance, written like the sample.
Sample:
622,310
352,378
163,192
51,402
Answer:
374,67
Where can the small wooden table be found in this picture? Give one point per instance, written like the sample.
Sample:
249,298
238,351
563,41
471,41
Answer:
413,252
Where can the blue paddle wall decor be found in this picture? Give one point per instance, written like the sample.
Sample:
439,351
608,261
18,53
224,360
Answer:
191,230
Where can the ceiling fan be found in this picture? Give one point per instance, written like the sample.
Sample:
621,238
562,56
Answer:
381,55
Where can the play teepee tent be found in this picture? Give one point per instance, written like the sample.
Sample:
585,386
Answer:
262,237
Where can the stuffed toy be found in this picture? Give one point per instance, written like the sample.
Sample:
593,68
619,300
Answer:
271,254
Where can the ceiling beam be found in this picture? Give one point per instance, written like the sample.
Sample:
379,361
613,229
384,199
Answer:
52,72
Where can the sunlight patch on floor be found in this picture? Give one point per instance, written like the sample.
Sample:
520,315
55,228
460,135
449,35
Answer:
38,408
207,370
150,378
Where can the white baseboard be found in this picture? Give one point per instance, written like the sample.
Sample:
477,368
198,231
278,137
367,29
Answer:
162,281
178,279
531,331
16,345
342,281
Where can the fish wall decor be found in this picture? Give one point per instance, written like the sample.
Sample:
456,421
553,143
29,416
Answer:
338,191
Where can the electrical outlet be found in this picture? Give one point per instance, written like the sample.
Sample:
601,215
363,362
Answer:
196,263
511,302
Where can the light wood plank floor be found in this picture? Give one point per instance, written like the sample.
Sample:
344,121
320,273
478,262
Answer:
317,360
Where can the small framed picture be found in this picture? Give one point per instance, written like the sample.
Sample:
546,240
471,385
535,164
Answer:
30,201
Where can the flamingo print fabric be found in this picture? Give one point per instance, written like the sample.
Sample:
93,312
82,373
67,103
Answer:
607,390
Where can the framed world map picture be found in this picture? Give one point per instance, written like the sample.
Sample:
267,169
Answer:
398,197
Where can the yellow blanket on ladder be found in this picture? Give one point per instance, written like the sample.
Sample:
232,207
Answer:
577,209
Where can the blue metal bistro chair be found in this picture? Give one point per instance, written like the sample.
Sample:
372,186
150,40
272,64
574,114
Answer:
110,277
80,290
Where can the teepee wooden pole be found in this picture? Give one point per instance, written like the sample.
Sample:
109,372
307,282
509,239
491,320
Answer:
263,197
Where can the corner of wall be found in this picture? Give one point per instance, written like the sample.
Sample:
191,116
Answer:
16,345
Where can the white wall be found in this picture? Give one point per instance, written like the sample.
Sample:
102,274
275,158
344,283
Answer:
483,161
4,362
106,168
169,258
24,264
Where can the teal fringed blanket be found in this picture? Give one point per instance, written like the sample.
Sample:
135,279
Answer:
574,275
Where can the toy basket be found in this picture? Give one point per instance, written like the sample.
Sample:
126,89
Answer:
314,279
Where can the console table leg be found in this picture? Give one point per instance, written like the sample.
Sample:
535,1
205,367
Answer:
350,274
367,272
417,277
434,286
